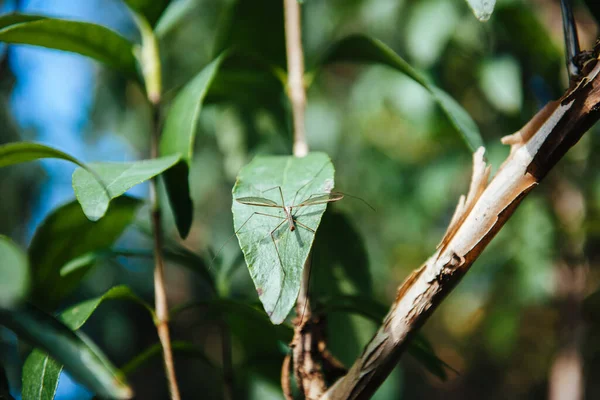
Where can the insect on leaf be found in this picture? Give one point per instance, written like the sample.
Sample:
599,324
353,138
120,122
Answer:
274,253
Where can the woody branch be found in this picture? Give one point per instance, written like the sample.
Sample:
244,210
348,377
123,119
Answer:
535,149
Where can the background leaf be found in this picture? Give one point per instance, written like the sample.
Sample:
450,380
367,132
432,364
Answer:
14,270
118,178
41,371
150,9
482,9
255,28
79,355
277,285
250,325
67,234
363,49
179,347
178,138
175,12
91,40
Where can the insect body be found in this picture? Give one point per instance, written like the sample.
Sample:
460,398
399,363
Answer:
288,211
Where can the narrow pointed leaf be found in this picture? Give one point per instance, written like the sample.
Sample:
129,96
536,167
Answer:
363,49
118,178
276,262
42,370
20,152
14,273
67,234
91,40
178,138
84,361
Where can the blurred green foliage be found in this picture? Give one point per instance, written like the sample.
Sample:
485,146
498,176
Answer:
392,146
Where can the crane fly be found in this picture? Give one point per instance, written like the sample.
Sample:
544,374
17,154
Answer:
288,210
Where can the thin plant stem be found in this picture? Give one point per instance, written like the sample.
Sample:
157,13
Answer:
307,370
297,95
295,82
160,294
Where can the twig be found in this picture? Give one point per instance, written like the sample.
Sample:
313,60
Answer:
307,369
160,295
535,149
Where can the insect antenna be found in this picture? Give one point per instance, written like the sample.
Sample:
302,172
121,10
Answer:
359,198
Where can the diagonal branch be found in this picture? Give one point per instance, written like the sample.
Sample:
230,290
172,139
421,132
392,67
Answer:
535,149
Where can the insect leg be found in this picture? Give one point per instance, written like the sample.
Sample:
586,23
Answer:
239,229
304,226
282,281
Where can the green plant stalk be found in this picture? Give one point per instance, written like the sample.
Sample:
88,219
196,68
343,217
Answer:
148,57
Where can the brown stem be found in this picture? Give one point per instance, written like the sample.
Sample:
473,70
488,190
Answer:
535,149
160,294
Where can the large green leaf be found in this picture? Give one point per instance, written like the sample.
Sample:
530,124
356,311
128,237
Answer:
274,254
178,138
79,355
41,371
256,29
364,49
150,9
118,178
67,234
84,38
14,270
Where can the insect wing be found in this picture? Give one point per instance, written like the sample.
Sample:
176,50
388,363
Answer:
321,199
257,201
